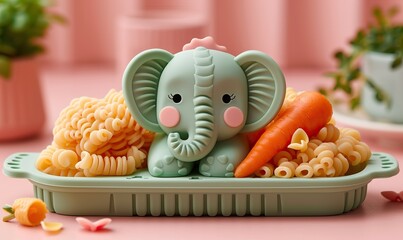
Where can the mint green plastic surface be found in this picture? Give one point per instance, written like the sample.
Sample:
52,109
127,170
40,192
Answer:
143,195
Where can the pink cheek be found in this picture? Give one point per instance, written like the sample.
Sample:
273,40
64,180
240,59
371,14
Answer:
169,116
233,117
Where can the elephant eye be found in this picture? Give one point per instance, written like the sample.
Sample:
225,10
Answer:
226,98
176,98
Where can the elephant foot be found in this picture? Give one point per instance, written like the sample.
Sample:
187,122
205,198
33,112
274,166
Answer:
169,166
219,166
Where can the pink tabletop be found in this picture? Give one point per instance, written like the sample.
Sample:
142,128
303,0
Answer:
376,217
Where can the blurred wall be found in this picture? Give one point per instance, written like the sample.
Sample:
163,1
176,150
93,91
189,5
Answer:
296,33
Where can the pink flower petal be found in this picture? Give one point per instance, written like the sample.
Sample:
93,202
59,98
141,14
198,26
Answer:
101,223
401,196
85,223
93,226
207,42
391,196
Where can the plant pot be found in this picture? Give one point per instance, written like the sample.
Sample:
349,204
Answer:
376,66
169,30
21,106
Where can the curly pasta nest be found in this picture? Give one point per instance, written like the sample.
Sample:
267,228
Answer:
93,137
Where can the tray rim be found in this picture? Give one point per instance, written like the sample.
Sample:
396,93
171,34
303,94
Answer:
197,182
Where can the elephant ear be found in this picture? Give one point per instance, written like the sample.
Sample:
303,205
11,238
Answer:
140,86
266,88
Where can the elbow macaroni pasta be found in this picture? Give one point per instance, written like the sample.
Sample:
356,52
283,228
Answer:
304,170
266,171
93,137
285,170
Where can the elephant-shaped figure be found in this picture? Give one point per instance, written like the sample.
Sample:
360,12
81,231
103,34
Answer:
200,102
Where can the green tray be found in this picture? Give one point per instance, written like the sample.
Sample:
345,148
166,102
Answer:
143,195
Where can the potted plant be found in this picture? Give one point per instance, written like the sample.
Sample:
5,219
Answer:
370,75
22,24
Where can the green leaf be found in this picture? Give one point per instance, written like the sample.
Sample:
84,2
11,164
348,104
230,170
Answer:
34,49
393,11
379,17
8,208
5,15
6,49
5,67
337,83
354,74
359,41
370,83
396,63
355,103
53,17
20,21
380,95
46,3
8,217
339,55
347,88
331,74
322,91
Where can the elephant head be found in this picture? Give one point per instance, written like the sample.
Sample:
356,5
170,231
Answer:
200,96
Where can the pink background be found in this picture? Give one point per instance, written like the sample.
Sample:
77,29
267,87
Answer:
298,34
86,57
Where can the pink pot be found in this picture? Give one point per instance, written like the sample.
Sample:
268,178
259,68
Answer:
169,30
21,106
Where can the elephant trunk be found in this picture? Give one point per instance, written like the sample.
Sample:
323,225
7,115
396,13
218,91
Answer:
202,138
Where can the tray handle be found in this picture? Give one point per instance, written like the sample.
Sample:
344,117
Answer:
19,165
383,165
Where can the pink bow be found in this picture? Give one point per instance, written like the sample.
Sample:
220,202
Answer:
93,226
393,196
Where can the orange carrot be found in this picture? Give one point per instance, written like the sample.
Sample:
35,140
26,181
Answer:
309,111
27,211
254,136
